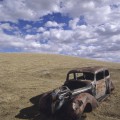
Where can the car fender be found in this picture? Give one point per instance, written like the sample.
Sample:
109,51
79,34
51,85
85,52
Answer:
110,86
44,103
80,103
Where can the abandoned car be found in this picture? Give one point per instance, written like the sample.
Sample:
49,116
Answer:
82,91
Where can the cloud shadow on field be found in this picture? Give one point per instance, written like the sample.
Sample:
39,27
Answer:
33,113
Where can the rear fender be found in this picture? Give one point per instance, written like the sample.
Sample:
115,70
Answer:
112,86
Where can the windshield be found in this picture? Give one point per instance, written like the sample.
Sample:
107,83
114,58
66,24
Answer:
81,76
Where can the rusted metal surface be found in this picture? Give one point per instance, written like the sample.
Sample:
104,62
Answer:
80,94
100,88
93,69
79,105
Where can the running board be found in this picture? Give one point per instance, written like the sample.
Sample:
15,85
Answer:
102,98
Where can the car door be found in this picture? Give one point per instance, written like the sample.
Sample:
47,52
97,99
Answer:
100,84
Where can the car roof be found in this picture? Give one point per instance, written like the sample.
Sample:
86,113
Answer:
92,69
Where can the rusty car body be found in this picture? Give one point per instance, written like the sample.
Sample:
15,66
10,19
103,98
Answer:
82,91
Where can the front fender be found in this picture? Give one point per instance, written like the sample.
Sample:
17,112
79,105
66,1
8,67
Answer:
77,106
44,103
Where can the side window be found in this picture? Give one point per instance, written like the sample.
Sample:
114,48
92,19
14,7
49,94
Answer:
100,76
89,76
106,73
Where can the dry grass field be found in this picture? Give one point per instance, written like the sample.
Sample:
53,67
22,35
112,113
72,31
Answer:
23,77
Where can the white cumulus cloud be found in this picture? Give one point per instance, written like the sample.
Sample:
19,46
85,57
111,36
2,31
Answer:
54,24
98,37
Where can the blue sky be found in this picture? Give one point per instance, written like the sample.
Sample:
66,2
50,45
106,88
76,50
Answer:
83,28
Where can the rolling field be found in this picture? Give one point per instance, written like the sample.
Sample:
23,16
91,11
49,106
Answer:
23,77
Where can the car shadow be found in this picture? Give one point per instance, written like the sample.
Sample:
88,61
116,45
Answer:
33,113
